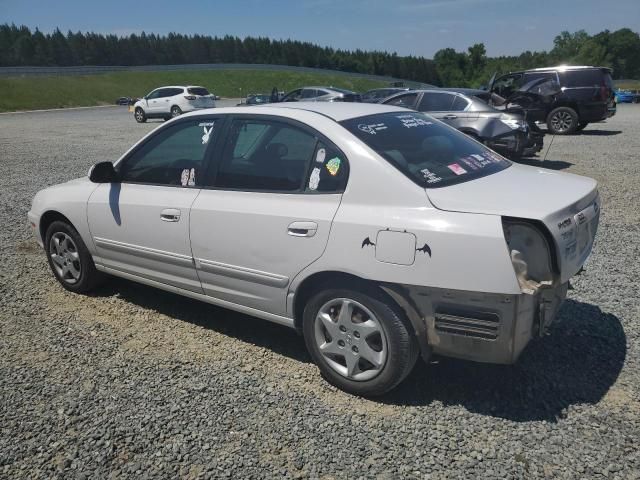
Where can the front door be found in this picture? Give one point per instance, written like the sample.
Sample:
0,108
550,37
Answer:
140,225
268,212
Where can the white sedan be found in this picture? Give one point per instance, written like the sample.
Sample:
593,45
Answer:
377,232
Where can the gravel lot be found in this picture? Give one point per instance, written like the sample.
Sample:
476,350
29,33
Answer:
134,382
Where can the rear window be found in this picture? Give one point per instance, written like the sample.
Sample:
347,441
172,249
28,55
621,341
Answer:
582,78
425,150
198,91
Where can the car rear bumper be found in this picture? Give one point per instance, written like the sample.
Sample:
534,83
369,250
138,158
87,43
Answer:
476,326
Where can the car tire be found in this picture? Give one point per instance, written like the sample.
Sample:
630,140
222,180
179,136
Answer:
139,115
70,260
367,358
562,121
581,126
176,111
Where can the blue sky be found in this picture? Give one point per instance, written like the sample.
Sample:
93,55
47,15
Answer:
417,27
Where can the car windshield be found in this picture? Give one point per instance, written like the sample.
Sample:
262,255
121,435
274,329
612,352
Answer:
198,91
425,150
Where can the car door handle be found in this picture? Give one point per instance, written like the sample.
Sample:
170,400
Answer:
170,215
302,229
450,117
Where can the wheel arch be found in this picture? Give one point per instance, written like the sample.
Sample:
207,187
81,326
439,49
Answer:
48,217
394,294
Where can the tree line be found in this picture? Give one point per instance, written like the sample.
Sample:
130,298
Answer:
20,46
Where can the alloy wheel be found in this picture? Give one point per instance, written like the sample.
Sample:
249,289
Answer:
139,115
65,257
561,121
351,339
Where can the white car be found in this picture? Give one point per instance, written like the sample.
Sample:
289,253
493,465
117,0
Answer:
168,102
377,232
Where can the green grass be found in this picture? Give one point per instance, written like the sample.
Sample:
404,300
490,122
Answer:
628,85
35,92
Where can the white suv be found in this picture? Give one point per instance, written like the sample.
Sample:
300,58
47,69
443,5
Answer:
168,102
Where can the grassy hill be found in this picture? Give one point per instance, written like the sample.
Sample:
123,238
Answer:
35,92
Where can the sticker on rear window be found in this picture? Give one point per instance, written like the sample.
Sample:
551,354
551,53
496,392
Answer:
321,155
429,176
333,166
314,180
373,128
409,121
457,169
470,162
184,177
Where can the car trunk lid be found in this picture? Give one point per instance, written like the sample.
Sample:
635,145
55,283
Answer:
568,205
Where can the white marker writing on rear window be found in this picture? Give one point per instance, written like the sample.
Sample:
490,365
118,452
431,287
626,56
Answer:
409,121
372,128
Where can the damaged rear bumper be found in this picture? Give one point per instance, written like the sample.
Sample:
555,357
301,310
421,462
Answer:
481,327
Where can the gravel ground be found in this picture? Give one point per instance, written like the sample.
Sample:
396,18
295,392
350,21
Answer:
134,382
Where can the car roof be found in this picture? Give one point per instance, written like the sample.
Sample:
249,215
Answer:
564,68
337,111
179,86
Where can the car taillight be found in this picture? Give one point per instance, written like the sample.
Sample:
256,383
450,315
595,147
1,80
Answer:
190,97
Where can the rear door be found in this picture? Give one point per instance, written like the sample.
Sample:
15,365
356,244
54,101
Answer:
266,211
438,105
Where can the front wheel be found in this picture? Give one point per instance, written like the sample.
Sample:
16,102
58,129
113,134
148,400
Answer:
562,121
70,260
361,342
139,115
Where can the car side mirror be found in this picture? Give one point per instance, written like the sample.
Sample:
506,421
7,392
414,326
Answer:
103,172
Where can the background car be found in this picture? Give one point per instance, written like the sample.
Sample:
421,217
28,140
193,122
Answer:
256,99
124,101
321,94
626,96
586,95
376,95
507,133
168,102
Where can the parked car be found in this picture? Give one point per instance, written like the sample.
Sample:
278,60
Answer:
256,99
626,96
378,94
507,133
124,101
586,95
377,232
168,102
321,94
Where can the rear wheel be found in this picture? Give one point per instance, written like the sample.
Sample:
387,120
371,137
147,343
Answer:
175,111
360,341
70,260
581,126
562,121
140,115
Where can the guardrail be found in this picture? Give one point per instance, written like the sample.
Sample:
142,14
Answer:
98,69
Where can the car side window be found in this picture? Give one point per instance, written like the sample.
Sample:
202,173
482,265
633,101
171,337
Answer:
436,102
507,84
175,156
459,104
293,96
329,170
309,93
154,94
408,100
265,155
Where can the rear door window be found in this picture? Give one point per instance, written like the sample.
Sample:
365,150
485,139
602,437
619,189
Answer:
459,104
407,101
436,102
310,93
531,76
265,155
428,152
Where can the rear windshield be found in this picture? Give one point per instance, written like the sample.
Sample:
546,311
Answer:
425,150
198,91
